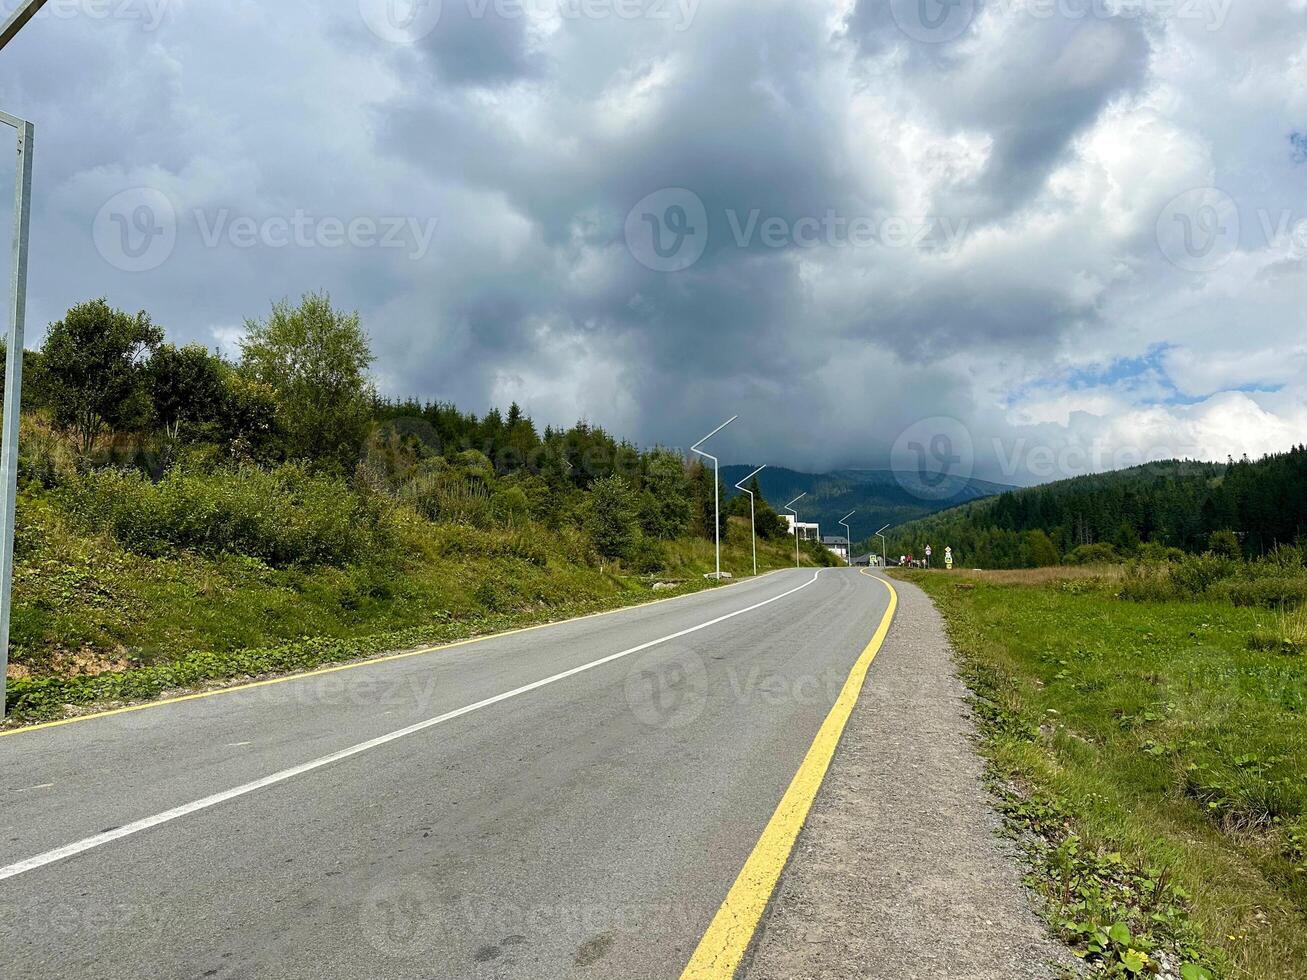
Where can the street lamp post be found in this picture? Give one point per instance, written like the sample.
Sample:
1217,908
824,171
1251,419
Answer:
790,508
753,516
716,489
848,534
13,398
18,20
884,552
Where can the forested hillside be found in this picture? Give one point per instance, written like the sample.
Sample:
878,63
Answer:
185,517
877,495
1242,507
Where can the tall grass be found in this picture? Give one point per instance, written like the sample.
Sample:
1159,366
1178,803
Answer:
1277,582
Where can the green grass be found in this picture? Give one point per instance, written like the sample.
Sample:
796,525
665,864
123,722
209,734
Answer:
95,623
1158,754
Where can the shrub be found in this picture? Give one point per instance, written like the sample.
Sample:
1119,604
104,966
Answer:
1148,582
1153,551
1287,556
1092,554
1198,573
1266,592
284,516
649,556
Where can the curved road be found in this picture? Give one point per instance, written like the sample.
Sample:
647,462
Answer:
585,817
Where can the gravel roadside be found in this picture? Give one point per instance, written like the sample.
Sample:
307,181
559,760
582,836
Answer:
899,873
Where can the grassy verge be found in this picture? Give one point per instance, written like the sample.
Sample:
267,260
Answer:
97,625
1151,755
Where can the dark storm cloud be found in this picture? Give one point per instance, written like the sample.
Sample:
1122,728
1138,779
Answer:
1008,184
472,45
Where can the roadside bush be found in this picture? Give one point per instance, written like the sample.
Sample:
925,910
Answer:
284,516
649,556
465,491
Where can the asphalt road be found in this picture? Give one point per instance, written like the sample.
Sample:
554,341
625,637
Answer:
361,823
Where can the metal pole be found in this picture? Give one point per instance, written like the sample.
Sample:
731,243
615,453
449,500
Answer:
753,516
884,548
18,20
716,489
790,508
13,400
848,535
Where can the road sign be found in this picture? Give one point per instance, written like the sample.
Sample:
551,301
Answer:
948,558
929,551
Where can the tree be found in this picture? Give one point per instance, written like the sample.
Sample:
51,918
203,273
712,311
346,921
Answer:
249,415
93,370
1225,543
665,503
186,385
771,525
702,500
611,516
316,361
1040,551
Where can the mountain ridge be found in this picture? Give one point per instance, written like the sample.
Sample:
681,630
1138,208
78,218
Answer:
878,496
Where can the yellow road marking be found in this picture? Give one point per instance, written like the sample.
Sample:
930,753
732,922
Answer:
722,949
422,651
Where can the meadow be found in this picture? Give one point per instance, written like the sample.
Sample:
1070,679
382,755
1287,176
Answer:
1146,730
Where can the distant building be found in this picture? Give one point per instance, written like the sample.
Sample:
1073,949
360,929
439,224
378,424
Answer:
807,532
839,546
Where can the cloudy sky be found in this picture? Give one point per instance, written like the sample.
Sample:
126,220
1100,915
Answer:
1058,234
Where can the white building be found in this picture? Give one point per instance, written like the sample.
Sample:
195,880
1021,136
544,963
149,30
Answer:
807,532
837,546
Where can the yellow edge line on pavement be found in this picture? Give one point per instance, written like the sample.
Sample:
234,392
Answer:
722,949
422,651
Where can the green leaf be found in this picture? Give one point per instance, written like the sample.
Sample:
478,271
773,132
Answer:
1134,961
1120,934
1192,971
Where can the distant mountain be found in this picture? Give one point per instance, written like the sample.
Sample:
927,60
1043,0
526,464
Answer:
879,496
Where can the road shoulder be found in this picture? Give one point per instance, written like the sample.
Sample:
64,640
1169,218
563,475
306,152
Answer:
899,872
